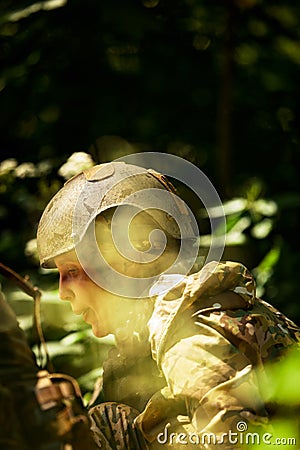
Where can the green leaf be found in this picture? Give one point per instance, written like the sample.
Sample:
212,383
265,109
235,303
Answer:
262,229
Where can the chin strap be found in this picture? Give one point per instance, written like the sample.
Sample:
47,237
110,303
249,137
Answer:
35,293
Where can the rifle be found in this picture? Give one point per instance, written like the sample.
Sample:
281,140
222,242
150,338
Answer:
48,406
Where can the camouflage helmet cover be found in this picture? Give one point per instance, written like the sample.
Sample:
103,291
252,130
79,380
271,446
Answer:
114,182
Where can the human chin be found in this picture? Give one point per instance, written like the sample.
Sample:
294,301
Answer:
91,318
98,331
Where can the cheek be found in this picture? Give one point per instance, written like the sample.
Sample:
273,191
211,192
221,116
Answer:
89,292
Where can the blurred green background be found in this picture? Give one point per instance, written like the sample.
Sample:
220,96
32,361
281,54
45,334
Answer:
216,83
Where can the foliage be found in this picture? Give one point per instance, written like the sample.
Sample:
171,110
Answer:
214,82
280,390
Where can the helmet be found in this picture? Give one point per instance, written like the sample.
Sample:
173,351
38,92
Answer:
93,191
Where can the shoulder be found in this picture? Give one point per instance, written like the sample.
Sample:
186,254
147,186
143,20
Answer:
198,290
221,297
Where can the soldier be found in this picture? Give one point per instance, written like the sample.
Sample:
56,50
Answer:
190,348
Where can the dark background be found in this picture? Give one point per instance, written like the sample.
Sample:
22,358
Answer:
216,83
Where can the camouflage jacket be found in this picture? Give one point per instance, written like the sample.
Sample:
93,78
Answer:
207,335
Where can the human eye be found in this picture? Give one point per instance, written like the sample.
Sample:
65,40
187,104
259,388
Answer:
68,272
72,271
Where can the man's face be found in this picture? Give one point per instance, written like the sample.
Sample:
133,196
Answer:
96,305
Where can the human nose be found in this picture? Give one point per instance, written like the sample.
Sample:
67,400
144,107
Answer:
65,293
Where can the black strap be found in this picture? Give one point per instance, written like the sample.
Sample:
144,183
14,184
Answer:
35,293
